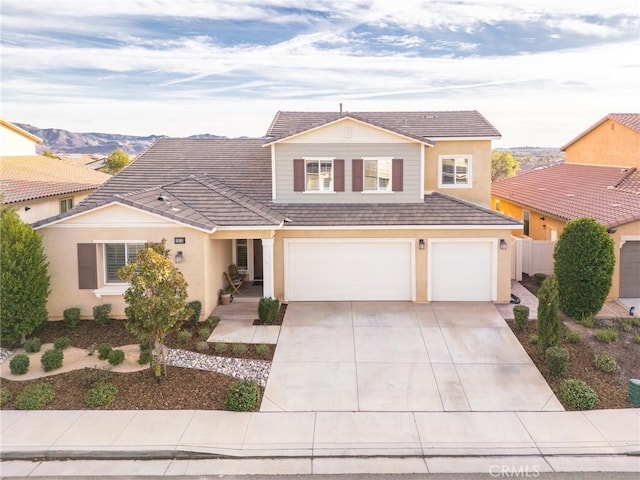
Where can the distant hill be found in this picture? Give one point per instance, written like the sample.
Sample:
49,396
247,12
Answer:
534,158
64,141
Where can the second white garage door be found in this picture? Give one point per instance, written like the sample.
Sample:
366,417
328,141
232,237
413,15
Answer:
462,270
339,269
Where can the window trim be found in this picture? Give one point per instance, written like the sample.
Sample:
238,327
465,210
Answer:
469,183
235,254
66,200
126,255
364,170
318,160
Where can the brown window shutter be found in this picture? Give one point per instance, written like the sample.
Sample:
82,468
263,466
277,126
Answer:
298,175
338,175
356,179
396,175
87,266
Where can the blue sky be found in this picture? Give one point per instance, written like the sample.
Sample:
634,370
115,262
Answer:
540,70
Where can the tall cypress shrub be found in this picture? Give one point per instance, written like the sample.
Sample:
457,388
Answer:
548,318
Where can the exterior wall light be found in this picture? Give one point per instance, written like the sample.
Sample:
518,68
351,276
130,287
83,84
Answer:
178,257
503,244
421,244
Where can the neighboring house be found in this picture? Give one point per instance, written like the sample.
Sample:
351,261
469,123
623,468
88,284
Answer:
328,206
600,179
35,186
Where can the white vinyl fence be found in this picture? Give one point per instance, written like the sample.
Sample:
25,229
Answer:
531,256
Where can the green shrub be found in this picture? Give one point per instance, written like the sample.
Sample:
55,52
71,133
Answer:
183,336
71,317
202,346
557,359
203,333
243,396
578,395
539,278
548,317
145,356
586,320
102,394
104,349
636,338
51,359
268,309
238,348
5,397
62,343
635,321
584,261
607,335
35,397
521,316
219,348
116,357
196,308
533,339
605,362
572,336
213,321
32,345
101,313
626,324
19,364
263,349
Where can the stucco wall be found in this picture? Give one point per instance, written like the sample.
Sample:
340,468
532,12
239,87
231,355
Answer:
12,143
610,144
44,207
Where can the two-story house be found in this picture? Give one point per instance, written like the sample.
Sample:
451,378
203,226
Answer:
600,179
328,206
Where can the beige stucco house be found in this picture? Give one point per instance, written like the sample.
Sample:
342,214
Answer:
327,206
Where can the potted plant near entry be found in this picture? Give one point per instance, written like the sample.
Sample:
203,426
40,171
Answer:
225,296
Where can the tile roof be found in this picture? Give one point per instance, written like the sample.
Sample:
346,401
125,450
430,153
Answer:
611,195
30,177
629,120
419,125
227,183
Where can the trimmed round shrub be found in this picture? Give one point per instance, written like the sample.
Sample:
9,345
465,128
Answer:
52,359
35,397
32,345
605,362
101,313
71,317
557,359
183,336
144,357
204,333
268,309
116,357
196,308
104,349
220,348
213,321
202,346
62,343
243,396
5,397
102,394
578,395
521,317
19,364
584,261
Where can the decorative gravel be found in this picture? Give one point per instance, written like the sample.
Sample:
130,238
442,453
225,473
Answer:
4,354
239,368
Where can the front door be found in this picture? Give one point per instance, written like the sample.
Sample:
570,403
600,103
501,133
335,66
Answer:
257,259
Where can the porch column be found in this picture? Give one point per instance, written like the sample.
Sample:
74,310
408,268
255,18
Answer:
267,267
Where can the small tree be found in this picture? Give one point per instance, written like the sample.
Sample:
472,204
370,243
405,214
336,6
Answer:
503,165
24,286
584,261
548,318
156,298
116,161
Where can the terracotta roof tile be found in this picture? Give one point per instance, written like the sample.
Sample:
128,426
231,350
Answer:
611,195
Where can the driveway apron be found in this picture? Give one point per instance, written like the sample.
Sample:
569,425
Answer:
401,356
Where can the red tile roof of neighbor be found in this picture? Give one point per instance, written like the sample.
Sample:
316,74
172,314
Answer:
629,120
611,195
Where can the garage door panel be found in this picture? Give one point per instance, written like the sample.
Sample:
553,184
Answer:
329,270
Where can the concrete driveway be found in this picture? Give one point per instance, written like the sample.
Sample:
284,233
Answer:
400,356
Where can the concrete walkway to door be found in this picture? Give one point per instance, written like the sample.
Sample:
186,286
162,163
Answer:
400,356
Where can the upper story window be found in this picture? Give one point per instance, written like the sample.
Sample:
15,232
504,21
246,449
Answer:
318,175
66,204
118,255
377,174
454,171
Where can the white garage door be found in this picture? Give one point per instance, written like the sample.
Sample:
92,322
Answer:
462,270
334,270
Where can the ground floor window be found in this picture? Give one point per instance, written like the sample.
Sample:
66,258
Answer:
242,256
117,255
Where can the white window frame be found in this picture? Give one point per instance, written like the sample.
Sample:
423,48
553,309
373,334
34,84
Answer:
242,268
468,183
321,187
126,256
389,188
66,204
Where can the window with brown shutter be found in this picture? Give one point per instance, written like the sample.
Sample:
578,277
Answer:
87,266
338,175
298,175
396,175
356,177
